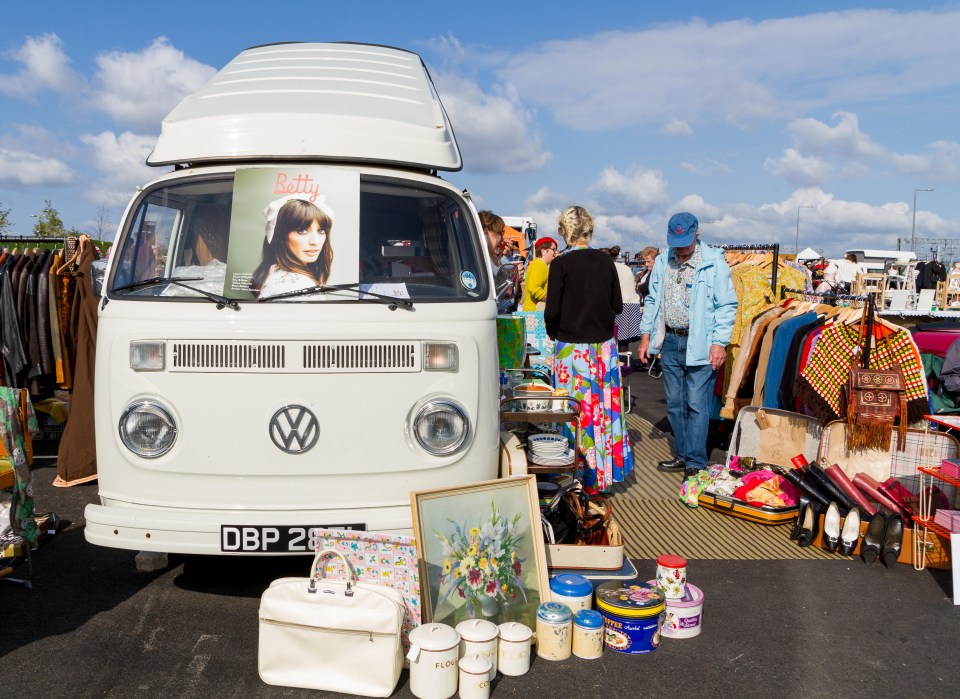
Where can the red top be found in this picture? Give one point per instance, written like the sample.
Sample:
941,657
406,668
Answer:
669,560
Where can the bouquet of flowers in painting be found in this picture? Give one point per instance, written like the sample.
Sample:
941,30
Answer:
481,564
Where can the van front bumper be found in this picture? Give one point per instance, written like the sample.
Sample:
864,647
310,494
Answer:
170,530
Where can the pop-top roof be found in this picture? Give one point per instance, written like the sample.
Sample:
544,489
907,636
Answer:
339,101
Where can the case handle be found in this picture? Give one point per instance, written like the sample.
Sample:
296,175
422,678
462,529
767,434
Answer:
315,573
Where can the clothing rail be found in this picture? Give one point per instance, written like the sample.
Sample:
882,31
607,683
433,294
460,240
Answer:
31,239
871,310
771,247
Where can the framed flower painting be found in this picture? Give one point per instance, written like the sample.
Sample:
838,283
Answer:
481,552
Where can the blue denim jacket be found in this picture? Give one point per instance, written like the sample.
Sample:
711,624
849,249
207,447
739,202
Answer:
712,310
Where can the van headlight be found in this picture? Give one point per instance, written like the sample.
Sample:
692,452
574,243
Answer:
147,429
441,427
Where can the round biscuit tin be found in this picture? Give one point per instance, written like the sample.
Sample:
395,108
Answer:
684,617
632,614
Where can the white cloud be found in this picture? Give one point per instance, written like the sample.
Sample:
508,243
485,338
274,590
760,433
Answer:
677,127
738,72
44,66
495,132
139,88
940,162
122,161
22,168
845,140
636,192
798,169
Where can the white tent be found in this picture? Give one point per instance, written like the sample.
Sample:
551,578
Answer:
809,254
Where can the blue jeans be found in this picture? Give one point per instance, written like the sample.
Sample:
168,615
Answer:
689,400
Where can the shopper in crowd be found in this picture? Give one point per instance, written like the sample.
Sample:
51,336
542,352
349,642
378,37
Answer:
535,277
649,256
493,232
840,274
296,251
688,318
628,282
583,300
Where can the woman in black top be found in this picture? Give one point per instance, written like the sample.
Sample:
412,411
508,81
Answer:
583,297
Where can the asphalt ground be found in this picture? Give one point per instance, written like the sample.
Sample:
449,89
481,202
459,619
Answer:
93,626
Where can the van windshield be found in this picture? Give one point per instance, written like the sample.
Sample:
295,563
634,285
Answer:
405,240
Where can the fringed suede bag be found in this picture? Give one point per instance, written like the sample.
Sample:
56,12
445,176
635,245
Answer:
875,400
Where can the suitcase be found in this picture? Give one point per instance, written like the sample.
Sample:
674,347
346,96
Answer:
782,436
923,448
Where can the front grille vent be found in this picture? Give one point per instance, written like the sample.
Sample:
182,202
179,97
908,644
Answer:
361,356
228,356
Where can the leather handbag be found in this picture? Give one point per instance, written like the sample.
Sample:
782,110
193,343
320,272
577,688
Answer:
875,399
337,635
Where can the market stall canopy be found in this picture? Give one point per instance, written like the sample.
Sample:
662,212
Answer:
313,102
808,254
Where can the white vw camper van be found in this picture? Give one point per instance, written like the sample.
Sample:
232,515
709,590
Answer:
297,325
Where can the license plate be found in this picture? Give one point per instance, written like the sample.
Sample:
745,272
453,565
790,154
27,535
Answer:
281,539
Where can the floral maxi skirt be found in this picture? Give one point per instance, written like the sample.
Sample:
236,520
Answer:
591,373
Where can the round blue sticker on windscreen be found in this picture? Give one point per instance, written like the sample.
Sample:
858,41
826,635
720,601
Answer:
468,280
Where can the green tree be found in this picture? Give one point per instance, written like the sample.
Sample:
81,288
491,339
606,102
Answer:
6,225
49,222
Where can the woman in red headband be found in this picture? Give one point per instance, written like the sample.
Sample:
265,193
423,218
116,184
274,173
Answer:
535,280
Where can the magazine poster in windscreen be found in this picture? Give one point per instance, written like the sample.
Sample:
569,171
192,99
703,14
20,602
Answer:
323,202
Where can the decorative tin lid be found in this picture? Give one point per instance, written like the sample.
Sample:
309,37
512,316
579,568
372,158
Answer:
477,630
515,632
554,613
692,596
571,585
434,637
635,599
588,619
668,560
476,664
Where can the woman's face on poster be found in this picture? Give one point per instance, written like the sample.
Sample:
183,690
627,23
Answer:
307,245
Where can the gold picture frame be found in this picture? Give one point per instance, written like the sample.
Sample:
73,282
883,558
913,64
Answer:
481,551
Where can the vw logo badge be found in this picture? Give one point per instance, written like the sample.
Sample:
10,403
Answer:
294,429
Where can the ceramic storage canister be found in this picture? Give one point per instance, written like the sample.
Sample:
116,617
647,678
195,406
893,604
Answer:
475,677
513,655
554,631
672,575
632,615
479,637
434,651
575,591
587,634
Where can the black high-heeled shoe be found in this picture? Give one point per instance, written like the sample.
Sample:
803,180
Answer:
831,528
873,539
850,534
811,525
802,506
892,540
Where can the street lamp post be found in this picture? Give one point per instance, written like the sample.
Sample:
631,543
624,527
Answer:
913,228
796,242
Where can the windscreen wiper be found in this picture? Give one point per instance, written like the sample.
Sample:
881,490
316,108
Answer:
221,301
392,302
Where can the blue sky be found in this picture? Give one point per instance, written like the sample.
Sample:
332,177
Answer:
740,113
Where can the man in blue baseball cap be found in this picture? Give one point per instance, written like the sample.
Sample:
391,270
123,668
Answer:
688,318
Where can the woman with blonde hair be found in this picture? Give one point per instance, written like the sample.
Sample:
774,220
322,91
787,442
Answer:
583,301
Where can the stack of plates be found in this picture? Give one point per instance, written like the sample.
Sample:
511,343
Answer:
549,450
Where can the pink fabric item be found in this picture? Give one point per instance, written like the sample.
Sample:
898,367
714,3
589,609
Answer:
836,474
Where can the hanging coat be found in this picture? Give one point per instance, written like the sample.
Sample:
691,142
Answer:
77,457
